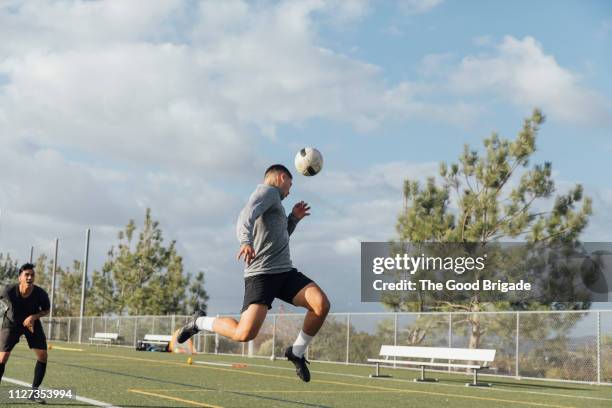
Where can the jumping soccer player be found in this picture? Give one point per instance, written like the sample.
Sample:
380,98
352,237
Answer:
26,303
263,230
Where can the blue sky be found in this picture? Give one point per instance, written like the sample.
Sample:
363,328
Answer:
180,106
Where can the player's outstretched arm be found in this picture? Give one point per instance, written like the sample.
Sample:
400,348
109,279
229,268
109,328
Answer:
300,210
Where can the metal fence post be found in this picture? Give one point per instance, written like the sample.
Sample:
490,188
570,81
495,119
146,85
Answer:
217,341
348,337
394,337
69,320
273,337
173,323
52,299
395,329
516,362
598,347
135,330
450,334
84,283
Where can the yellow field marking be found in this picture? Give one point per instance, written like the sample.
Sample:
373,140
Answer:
186,401
439,394
66,348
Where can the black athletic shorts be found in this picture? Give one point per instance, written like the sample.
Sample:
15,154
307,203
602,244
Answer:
262,289
9,337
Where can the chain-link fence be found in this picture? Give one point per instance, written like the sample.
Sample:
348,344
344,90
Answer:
560,345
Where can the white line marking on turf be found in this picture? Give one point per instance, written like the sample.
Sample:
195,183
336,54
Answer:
82,399
438,384
65,348
214,364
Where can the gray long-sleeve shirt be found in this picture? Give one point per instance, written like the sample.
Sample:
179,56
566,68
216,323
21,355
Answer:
263,224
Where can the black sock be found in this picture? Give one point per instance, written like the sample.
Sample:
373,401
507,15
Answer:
39,373
1,370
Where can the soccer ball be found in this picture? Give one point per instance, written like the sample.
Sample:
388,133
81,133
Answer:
308,161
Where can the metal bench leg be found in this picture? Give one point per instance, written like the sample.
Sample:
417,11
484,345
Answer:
475,382
423,378
378,374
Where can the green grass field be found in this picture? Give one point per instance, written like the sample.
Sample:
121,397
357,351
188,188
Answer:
127,378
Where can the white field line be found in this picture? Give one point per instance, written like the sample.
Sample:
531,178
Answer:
213,364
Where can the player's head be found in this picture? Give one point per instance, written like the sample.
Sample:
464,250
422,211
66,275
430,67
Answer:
279,176
27,274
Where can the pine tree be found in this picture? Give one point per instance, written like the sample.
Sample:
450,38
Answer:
68,290
142,277
43,267
496,195
197,294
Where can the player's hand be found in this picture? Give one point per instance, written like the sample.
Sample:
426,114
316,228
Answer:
301,210
247,252
28,323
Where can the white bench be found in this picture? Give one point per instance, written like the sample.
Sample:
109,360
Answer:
157,338
107,338
476,359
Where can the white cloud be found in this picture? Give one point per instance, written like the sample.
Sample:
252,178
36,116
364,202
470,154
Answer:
137,102
522,73
348,11
44,183
108,108
126,90
417,6
67,24
349,245
436,65
377,180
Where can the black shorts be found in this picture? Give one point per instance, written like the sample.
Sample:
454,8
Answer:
262,289
9,337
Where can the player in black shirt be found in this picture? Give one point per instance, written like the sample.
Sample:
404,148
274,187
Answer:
26,303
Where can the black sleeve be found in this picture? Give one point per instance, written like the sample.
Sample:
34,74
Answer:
44,303
291,223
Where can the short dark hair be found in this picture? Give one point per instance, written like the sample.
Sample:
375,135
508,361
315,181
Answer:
26,267
278,168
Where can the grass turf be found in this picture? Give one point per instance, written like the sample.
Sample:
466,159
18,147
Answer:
128,378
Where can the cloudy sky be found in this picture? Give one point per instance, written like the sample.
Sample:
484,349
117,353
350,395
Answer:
110,107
